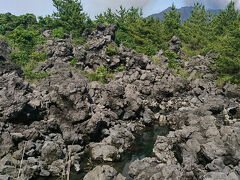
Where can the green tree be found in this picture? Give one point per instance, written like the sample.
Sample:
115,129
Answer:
227,20
228,61
145,35
9,22
46,22
27,20
107,17
70,16
171,22
196,32
227,44
24,39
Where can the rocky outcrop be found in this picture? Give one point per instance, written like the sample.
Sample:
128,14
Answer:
201,145
15,92
104,172
119,139
151,168
15,96
4,50
175,44
14,100
65,117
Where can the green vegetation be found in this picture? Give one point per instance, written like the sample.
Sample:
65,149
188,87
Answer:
111,49
182,72
73,62
156,60
24,39
196,32
79,41
70,16
9,22
35,76
171,23
19,57
227,44
23,33
201,33
34,60
38,57
119,68
172,59
142,34
101,74
58,32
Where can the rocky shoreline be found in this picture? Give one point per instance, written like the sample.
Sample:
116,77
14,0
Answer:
47,126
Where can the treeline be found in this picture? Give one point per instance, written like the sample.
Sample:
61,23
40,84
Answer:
201,33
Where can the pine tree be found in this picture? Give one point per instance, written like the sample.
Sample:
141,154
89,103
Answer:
171,22
107,17
70,16
226,20
227,45
196,32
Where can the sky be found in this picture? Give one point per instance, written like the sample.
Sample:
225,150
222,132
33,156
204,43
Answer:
94,7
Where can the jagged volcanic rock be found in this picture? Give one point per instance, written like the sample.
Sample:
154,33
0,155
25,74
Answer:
66,116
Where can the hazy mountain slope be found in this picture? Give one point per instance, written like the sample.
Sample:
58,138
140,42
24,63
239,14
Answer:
185,13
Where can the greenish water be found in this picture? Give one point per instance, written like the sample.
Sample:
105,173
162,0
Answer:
143,148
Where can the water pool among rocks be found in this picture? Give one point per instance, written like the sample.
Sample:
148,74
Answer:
143,147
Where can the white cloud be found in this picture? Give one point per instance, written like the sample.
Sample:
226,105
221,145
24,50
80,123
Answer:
117,3
215,4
